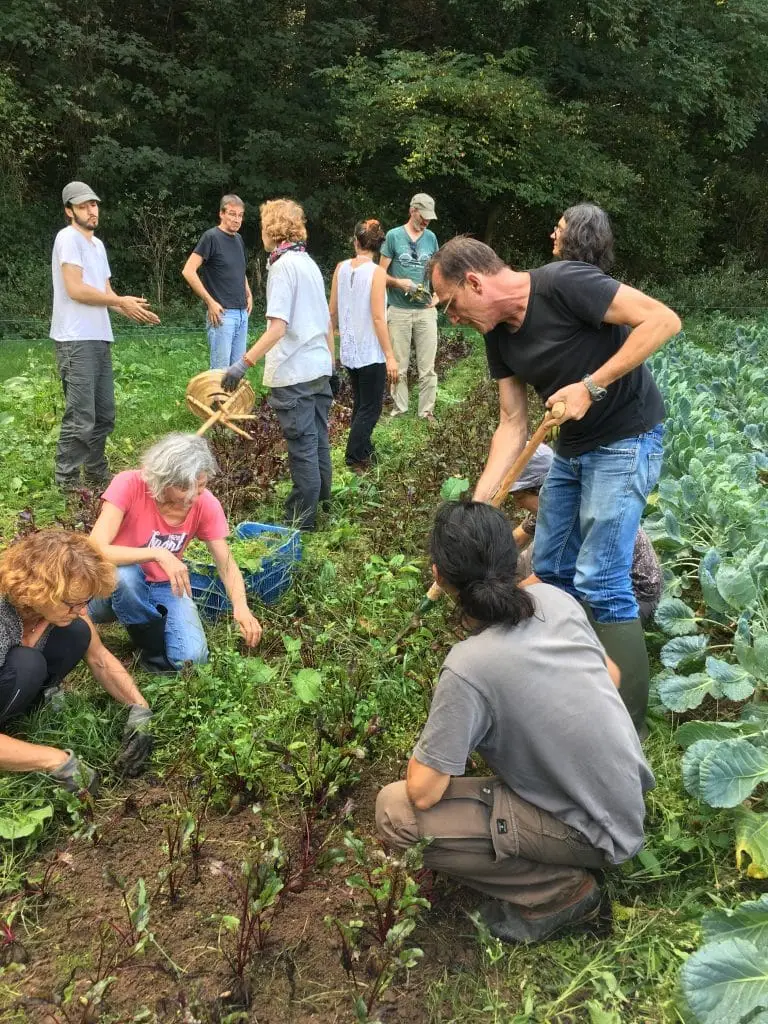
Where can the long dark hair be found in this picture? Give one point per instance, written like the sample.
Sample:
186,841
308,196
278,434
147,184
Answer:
472,546
588,236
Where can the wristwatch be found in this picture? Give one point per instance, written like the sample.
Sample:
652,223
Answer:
596,393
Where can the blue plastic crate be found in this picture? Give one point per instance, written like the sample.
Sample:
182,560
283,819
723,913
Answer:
269,583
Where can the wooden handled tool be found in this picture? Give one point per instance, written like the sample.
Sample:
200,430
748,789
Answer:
550,420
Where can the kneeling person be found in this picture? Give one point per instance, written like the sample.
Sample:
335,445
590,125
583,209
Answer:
147,519
567,796
46,581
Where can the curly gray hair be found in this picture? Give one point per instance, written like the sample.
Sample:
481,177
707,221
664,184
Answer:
177,460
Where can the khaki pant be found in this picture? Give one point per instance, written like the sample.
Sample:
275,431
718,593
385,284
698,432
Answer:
419,326
492,840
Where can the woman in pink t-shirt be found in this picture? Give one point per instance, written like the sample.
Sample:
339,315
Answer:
147,519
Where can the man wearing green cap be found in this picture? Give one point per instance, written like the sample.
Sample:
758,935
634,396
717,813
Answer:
82,297
411,314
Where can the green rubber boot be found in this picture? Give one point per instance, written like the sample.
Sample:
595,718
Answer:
624,642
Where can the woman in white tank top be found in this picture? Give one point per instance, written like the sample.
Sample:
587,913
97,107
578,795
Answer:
359,315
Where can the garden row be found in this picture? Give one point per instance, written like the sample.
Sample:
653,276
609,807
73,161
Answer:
710,523
262,763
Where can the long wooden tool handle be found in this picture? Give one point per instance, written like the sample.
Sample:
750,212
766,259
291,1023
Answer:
525,456
550,419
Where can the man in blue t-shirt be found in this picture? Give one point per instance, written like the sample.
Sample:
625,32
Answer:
580,337
220,255
411,315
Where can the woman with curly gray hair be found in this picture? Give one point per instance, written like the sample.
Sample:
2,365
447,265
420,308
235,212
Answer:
148,517
584,233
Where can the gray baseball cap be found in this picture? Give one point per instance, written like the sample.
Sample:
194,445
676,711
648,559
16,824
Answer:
77,192
425,205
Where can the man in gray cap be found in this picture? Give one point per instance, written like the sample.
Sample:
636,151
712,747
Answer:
411,314
82,297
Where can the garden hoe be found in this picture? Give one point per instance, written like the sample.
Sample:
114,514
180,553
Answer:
551,419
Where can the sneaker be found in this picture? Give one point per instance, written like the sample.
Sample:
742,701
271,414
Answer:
395,413
429,417
511,924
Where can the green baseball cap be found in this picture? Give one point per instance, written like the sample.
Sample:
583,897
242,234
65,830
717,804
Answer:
77,192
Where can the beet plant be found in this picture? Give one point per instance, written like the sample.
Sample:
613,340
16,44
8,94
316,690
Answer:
256,891
374,946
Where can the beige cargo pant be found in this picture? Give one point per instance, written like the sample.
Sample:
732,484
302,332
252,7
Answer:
486,836
420,327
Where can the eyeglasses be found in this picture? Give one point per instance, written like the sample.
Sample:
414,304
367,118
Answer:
414,252
447,305
74,606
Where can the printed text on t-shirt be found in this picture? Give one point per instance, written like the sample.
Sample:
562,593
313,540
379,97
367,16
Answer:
170,541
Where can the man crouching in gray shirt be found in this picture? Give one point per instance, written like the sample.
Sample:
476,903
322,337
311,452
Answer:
533,692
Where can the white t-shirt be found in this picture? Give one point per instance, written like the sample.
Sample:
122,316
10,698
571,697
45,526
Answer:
296,294
73,320
359,344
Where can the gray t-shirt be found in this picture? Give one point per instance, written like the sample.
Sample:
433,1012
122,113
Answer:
537,703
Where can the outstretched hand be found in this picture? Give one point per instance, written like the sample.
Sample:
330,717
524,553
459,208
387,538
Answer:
137,308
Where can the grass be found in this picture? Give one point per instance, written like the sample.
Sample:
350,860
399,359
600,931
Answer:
362,578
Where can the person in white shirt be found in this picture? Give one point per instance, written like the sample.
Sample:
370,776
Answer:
298,352
359,314
82,297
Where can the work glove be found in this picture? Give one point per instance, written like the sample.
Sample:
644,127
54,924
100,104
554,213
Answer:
53,697
138,742
76,776
234,374
334,382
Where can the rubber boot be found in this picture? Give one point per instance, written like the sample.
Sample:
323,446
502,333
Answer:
624,642
150,639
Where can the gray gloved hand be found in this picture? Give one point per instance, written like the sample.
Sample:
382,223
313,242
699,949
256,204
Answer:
76,776
53,697
234,374
138,741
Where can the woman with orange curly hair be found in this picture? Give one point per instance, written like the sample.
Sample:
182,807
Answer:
46,582
359,314
297,348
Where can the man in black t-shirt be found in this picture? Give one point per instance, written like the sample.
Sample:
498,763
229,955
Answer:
578,337
224,288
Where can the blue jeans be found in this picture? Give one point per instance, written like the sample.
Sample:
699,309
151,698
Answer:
135,602
589,514
229,340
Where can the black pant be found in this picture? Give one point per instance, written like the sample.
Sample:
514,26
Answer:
27,671
368,397
302,411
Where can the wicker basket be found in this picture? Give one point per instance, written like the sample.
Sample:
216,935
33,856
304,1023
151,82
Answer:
210,402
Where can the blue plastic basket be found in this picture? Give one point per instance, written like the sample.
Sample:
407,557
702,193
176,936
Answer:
269,583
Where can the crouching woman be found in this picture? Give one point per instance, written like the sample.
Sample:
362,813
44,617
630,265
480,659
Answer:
148,517
46,582
532,692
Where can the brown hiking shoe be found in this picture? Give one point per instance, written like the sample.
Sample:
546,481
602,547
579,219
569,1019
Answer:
511,924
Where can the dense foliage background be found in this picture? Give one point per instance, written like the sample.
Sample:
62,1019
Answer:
507,112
